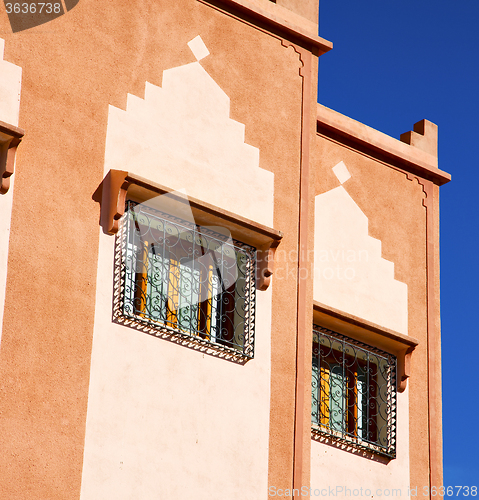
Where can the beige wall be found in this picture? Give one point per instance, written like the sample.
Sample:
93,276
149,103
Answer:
10,85
309,9
181,134
352,276
393,214
337,468
75,67
164,420
350,273
104,86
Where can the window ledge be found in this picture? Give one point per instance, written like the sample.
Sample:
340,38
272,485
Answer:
354,445
10,137
119,184
365,331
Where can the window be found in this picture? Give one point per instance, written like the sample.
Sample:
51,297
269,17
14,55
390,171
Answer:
353,392
190,280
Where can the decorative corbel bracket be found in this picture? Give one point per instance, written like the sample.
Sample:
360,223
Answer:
112,199
119,185
404,368
265,264
10,137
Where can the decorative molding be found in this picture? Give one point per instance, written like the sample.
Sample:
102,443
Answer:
276,22
10,138
434,386
422,183
118,185
409,158
187,123
404,368
286,44
386,339
301,457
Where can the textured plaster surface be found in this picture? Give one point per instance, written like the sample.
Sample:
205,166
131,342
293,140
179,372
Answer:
181,135
393,205
73,68
350,273
307,9
198,48
435,387
378,141
296,15
6,214
341,172
10,85
164,420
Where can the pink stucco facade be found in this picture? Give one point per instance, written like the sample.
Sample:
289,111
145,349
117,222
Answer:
206,111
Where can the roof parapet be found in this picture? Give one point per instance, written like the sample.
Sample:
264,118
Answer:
423,136
277,18
417,158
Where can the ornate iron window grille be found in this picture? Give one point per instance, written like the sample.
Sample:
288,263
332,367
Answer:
353,393
187,280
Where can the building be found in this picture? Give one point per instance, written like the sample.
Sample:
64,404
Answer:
177,212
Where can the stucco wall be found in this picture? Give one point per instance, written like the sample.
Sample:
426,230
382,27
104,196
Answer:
164,420
336,469
75,67
352,276
350,273
181,133
386,214
10,85
6,211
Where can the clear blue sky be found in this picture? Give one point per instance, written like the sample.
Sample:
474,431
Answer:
393,64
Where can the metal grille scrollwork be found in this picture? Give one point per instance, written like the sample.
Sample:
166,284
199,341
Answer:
190,279
353,392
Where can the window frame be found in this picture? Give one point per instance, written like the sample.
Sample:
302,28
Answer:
133,299
353,356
